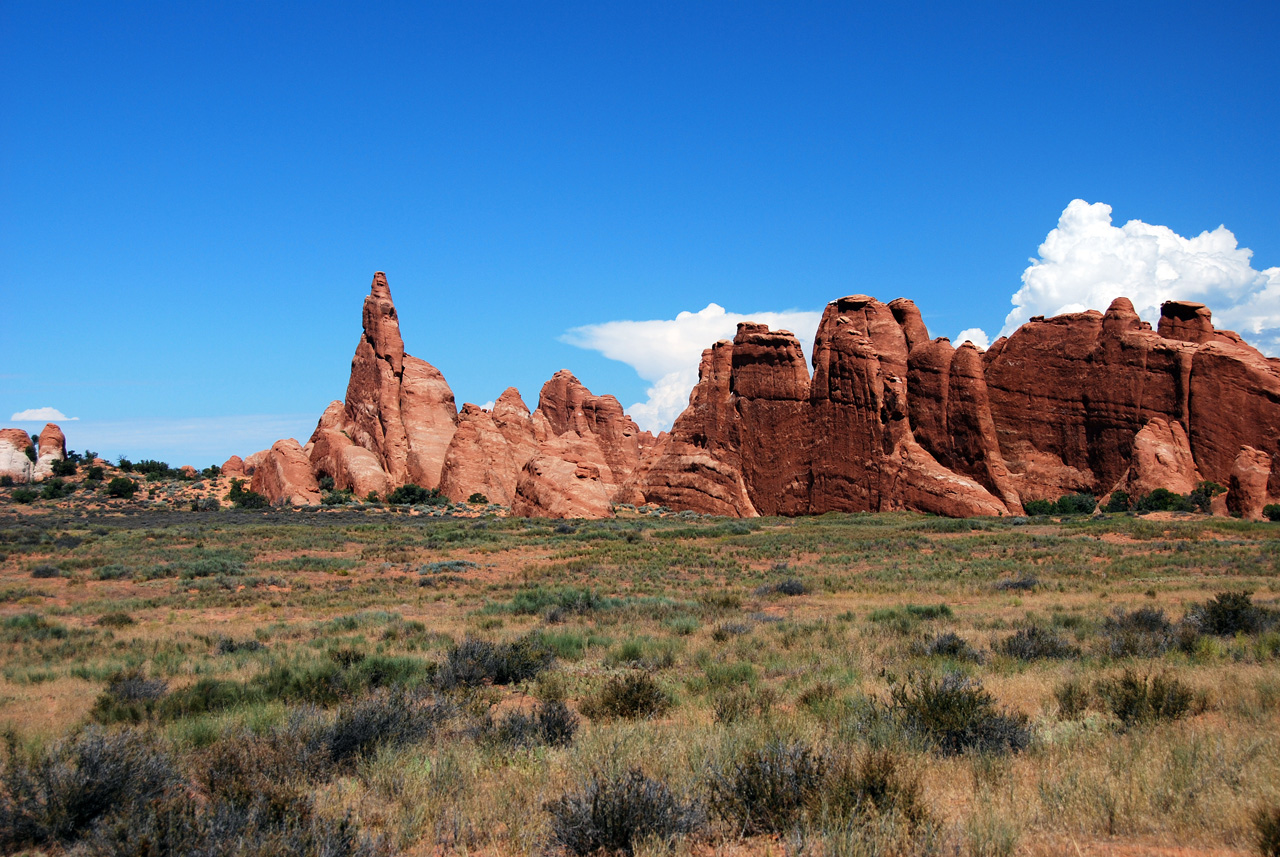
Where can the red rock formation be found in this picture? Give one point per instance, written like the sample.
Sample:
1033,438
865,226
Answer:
284,475
14,461
698,466
233,467
1161,458
483,459
52,447
397,407
568,478
188,471
1247,487
251,462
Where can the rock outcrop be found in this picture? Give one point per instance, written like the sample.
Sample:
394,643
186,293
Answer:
397,407
52,447
284,475
14,460
890,418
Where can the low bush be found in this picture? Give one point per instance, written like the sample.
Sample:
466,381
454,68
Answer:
1202,495
130,697
1136,699
205,504
243,498
766,790
6,481
1164,500
1141,633
1072,697
115,619
549,724
1118,502
63,467
475,662
478,499
44,571
1230,613
122,487
1272,511
632,696
743,703
56,489
1022,583
954,714
791,586
24,495
416,495
1076,504
949,644
386,718
57,795
878,781
615,814
1037,643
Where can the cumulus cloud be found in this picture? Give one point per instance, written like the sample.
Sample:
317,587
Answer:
41,415
666,352
976,335
1086,262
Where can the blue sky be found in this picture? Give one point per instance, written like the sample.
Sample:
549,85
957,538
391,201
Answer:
194,197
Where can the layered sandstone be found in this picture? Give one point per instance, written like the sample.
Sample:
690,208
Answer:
52,447
284,475
14,461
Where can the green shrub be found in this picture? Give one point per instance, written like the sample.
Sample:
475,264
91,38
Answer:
130,697
1119,501
416,495
246,499
6,481
478,499
1136,699
1076,504
951,645
44,571
766,790
24,495
631,696
122,487
325,482
1272,511
1039,507
63,467
94,474
1230,613
115,619
56,489
1164,500
954,714
613,815
1204,492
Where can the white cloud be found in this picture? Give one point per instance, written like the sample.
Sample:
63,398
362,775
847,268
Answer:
976,335
666,352
1086,262
42,415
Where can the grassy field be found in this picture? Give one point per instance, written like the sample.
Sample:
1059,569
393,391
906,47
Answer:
361,681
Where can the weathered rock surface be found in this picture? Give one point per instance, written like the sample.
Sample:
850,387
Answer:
890,419
284,475
1247,488
1161,458
233,468
52,447
397,407
14,461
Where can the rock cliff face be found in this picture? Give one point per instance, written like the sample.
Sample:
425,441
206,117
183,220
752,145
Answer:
889,419
52,447
892,419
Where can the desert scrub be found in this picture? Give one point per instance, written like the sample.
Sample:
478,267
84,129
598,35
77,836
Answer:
954,714
1037,643
1135,698
635,694
616,814
767,790
475,662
